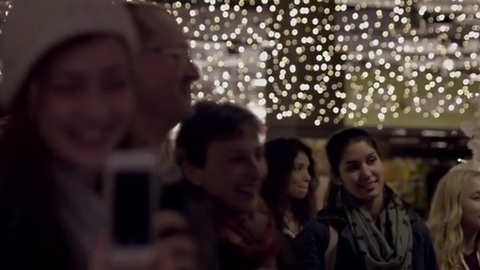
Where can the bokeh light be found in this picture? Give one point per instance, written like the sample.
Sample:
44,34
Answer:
397,57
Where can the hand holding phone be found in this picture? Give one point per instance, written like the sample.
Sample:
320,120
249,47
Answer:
131,191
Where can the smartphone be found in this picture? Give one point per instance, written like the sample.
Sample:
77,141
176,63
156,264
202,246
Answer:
131,194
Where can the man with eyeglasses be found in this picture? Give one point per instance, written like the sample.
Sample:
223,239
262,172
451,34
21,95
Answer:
166,72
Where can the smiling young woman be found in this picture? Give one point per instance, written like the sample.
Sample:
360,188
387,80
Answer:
375,229
68,90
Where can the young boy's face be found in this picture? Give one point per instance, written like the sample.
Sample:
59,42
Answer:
234,171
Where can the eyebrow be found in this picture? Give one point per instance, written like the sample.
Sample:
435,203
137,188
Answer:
302,163
235,150
356,161
115,68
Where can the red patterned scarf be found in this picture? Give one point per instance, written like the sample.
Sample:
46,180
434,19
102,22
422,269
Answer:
250,241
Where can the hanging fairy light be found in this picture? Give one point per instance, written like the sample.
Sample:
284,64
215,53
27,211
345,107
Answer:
369,62
228,41
422,62
400,57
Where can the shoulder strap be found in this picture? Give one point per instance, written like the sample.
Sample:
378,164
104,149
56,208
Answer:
331,252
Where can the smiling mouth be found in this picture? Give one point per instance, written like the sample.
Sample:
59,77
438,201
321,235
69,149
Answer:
94,138
246,189
368,184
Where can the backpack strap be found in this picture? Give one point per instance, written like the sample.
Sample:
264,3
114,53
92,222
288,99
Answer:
331,252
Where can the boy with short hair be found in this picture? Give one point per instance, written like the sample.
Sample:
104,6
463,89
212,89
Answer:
221,156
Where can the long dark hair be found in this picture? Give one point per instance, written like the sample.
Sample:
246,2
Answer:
280,155
29,225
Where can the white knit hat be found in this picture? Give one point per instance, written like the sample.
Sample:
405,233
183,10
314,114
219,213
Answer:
33,27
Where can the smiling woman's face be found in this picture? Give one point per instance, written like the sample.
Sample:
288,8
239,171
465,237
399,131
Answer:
362,171
83,104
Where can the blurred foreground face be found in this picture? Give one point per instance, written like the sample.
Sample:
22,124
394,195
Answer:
82,104
166,68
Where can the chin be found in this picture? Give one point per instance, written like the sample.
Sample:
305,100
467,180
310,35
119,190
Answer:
300,195
186,111
371,195
367,195
91,163
245,207
241,209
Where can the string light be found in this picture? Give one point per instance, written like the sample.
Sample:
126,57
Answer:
229,43
375,62
306,67
420,60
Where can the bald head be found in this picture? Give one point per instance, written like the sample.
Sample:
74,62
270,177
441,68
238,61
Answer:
155,20
166,70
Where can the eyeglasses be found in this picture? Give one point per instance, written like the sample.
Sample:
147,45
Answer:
178,54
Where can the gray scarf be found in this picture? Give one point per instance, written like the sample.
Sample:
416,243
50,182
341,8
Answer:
394,225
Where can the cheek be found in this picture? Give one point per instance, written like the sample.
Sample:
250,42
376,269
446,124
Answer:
471,210
52,113
214,179
348,179
473,207
51,123
165,69
123,105
378,170
291,186
235,172
295,179
152,73
173,74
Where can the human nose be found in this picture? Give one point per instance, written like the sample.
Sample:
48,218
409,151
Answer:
307,176
365,171
193,73
94,106
258,168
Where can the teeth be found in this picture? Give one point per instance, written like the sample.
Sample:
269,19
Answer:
90,135
246,189
368,184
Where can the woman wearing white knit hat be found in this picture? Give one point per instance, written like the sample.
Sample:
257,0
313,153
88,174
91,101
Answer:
67,87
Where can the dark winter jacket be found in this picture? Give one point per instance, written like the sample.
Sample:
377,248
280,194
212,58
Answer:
311,244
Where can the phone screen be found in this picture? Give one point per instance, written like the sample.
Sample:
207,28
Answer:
132,209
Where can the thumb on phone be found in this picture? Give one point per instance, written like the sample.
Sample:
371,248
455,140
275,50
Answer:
101,257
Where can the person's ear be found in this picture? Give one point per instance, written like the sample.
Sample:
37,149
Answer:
336,180
193,173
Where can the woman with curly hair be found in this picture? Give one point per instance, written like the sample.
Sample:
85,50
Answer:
454,219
